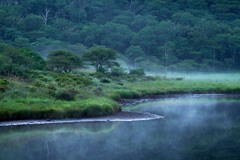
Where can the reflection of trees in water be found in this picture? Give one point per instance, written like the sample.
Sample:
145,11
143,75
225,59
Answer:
164,139
15,137
97,128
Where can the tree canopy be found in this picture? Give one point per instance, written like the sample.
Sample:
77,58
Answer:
14,61
101,58
63,61
201,31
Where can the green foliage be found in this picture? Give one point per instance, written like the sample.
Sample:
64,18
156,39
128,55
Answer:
16,56
101,58
109,33
137,72
62,80
133,53
72,80
105,81
32,108
117,71
16,62
13,62
4,84
31,22
67,95
187,65
170,31
36,62
63,61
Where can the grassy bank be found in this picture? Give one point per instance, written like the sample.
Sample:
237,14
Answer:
48,95
51,109
172,86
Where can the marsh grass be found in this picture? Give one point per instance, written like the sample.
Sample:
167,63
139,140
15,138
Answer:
156,87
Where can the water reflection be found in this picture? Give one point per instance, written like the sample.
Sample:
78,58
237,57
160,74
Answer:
195,127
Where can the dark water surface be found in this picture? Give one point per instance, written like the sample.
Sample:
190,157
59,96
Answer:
195,127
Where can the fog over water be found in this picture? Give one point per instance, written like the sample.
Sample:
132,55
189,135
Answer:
194,127
199,76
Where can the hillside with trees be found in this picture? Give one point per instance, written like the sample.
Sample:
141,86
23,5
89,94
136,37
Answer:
177,35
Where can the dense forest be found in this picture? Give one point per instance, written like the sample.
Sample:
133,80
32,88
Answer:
177,35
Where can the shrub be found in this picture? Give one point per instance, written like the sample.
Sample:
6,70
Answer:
67,95
3,84
179,78
117,71
93,111
74,80
98,75
63,61
98,91
105,80
13,70
16,90
138,72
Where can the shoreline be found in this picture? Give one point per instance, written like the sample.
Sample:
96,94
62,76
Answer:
122,116
146,98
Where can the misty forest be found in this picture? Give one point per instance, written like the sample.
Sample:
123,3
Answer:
181,35
120,79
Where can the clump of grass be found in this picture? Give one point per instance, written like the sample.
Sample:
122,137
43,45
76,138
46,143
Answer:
131,94
4,84
16,90
66,94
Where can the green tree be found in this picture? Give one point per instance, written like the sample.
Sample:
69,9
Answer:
31,22
151,37
44,8
141,21
116,36
16,56
185,18
3,16
13,62
21,41
91,34
74,11
167,53
63,61
5,63
35,60
133,53
101,58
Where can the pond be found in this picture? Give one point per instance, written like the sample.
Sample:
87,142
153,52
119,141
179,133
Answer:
194,127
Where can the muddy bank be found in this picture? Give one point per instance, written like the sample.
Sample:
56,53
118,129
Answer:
118,117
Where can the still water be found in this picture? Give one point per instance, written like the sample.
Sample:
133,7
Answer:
195,127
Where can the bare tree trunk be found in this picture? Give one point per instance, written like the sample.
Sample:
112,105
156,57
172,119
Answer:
46,16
